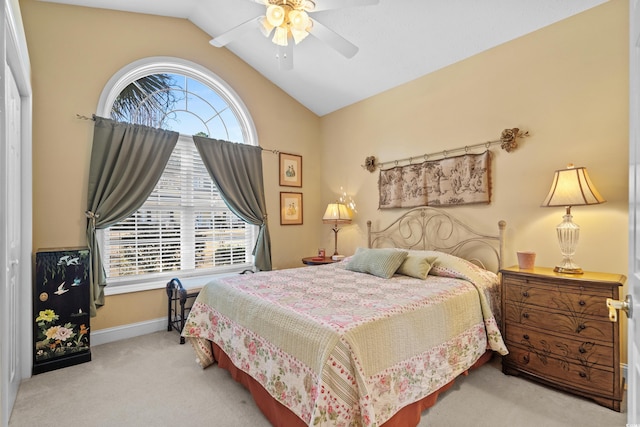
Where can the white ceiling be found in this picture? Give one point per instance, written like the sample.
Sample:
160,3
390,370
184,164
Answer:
399,40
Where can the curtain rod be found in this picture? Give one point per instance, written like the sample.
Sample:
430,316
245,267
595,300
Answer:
508,142
93,118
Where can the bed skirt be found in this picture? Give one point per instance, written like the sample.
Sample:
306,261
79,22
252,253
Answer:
280,416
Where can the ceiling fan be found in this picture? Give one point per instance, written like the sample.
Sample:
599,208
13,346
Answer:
289,20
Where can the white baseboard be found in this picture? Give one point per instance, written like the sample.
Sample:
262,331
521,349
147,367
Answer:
131,330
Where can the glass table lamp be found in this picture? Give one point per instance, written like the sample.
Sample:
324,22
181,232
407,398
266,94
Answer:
570,187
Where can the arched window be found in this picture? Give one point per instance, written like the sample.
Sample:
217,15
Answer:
184,226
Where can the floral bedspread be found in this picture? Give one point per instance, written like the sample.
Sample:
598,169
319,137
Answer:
341,348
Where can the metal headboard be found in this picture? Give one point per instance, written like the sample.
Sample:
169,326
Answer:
428,228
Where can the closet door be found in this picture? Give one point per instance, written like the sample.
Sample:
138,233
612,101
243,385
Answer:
10,185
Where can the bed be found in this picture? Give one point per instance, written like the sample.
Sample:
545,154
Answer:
368,341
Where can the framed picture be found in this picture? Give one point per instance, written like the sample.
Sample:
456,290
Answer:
290,170
290,208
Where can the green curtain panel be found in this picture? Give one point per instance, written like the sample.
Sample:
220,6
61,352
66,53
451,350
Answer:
127,161
236,169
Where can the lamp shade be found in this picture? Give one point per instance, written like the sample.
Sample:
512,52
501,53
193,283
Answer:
572,187
336,213
280,36
275,15
266,26
298,35
299,20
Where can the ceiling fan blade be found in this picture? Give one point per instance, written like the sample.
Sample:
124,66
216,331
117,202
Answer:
339,4
333,39
229,36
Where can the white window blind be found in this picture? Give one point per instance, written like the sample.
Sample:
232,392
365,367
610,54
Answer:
183,226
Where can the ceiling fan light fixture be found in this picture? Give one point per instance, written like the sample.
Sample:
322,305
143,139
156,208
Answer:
290,19
275,15
307,5
280,36
299,25
299,20
298,36
265,26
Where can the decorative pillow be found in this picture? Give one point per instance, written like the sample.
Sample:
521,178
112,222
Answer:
379,262
415,265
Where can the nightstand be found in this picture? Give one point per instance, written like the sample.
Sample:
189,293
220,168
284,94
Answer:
557,329
317,261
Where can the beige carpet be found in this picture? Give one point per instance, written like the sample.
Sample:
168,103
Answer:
153,381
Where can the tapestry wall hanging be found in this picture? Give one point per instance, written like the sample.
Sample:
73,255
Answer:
450,181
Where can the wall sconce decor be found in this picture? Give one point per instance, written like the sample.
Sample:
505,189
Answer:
570,187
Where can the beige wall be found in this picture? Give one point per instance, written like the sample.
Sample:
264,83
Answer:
566,84
74,52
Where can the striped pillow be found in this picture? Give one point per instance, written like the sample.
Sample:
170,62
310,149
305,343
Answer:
379,262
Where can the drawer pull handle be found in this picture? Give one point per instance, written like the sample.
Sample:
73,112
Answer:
525,315
582,350
583,375
525,359
580,327
525,294
582,303
526,337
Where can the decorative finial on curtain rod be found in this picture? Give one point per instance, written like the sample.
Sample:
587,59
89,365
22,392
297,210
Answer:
509,138
370,163
270,150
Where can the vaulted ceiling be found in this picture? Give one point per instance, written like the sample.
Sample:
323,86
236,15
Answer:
398,40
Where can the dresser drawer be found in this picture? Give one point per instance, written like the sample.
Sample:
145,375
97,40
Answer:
554,296
583,352
563,285
559,371
573,325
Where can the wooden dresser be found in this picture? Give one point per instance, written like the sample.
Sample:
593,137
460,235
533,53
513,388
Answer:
557,329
